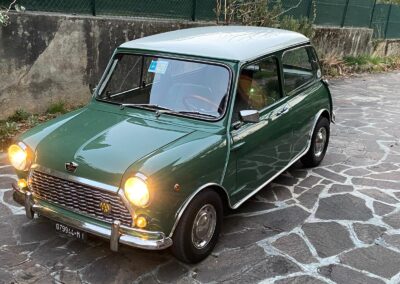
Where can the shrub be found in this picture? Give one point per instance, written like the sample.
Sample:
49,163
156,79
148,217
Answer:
58,107
302,25
335,66
19,116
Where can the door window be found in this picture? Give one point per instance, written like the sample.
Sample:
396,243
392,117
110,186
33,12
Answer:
297,69
258,86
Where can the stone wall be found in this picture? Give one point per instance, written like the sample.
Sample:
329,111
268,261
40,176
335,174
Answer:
388,47
343,41
48,58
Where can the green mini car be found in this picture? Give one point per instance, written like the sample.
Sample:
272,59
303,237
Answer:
181,126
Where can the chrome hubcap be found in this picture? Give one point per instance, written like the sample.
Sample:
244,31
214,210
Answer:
320,141
204,226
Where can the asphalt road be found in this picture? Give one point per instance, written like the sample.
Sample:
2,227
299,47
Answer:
338,223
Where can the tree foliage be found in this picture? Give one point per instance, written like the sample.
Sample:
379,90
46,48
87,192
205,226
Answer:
4,18
263,13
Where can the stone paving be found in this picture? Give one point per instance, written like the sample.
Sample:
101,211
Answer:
338,223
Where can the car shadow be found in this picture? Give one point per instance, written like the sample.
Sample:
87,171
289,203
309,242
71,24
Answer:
253,221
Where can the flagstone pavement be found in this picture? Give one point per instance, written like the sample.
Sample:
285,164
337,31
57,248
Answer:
337,223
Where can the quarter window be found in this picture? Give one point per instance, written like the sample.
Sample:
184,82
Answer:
297,68
126,75
258,86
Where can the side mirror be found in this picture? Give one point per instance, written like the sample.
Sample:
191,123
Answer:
251,116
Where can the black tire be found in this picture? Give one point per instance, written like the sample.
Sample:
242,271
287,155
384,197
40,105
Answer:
313,158
19,198
183,246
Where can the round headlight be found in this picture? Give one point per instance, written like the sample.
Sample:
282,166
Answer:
137,192
18,157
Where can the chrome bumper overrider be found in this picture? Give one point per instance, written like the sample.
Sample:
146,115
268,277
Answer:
115,232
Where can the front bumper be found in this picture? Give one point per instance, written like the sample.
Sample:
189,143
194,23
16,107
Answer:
115,232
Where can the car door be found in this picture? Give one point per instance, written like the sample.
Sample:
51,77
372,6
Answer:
300,69
259,150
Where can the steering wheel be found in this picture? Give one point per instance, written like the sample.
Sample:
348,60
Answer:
190,103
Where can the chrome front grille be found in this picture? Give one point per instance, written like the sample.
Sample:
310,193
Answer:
78,197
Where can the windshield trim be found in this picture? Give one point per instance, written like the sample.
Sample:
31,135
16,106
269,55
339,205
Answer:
111,66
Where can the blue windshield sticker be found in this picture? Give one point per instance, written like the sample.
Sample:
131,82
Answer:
158,66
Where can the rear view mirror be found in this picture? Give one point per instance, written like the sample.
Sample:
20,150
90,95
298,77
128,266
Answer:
251,116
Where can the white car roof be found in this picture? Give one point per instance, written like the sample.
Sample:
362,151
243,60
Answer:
237,43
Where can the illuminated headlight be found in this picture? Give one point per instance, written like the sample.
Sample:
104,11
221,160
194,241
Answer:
137,192
18,157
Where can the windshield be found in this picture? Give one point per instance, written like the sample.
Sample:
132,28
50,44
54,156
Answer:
171,85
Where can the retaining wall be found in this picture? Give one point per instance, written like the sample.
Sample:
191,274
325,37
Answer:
47,58
343,41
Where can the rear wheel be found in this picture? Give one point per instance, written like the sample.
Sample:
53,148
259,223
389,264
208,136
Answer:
319,144
197,232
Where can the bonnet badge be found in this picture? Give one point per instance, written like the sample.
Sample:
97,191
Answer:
71,166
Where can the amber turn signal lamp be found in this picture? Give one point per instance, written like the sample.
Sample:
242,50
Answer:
141,222
22,183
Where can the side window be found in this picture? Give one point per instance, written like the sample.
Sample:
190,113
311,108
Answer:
297,68
258,86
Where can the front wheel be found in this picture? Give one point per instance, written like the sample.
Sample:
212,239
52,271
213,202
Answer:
319,144
197,232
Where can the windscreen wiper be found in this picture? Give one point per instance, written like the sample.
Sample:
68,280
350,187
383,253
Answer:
145,106
161,110
196,113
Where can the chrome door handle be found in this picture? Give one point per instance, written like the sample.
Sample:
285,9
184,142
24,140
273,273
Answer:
284,110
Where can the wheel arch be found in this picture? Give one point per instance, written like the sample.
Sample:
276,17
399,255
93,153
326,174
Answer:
219,189
325,113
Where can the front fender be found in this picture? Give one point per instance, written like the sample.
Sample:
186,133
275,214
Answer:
174,172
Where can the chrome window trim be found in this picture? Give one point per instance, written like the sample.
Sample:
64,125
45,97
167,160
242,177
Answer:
240,202
187,58
106,77
282,93
283,72
292,46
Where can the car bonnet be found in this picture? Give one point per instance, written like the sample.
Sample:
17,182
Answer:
103,144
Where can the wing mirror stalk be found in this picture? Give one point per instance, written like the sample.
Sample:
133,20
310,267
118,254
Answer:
246,116
250,116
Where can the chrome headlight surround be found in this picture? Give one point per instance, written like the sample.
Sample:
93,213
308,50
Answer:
19,156
136,190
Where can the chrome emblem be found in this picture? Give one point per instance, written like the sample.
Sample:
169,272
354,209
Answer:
71,166
105,207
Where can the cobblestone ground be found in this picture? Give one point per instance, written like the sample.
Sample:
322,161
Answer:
338,223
